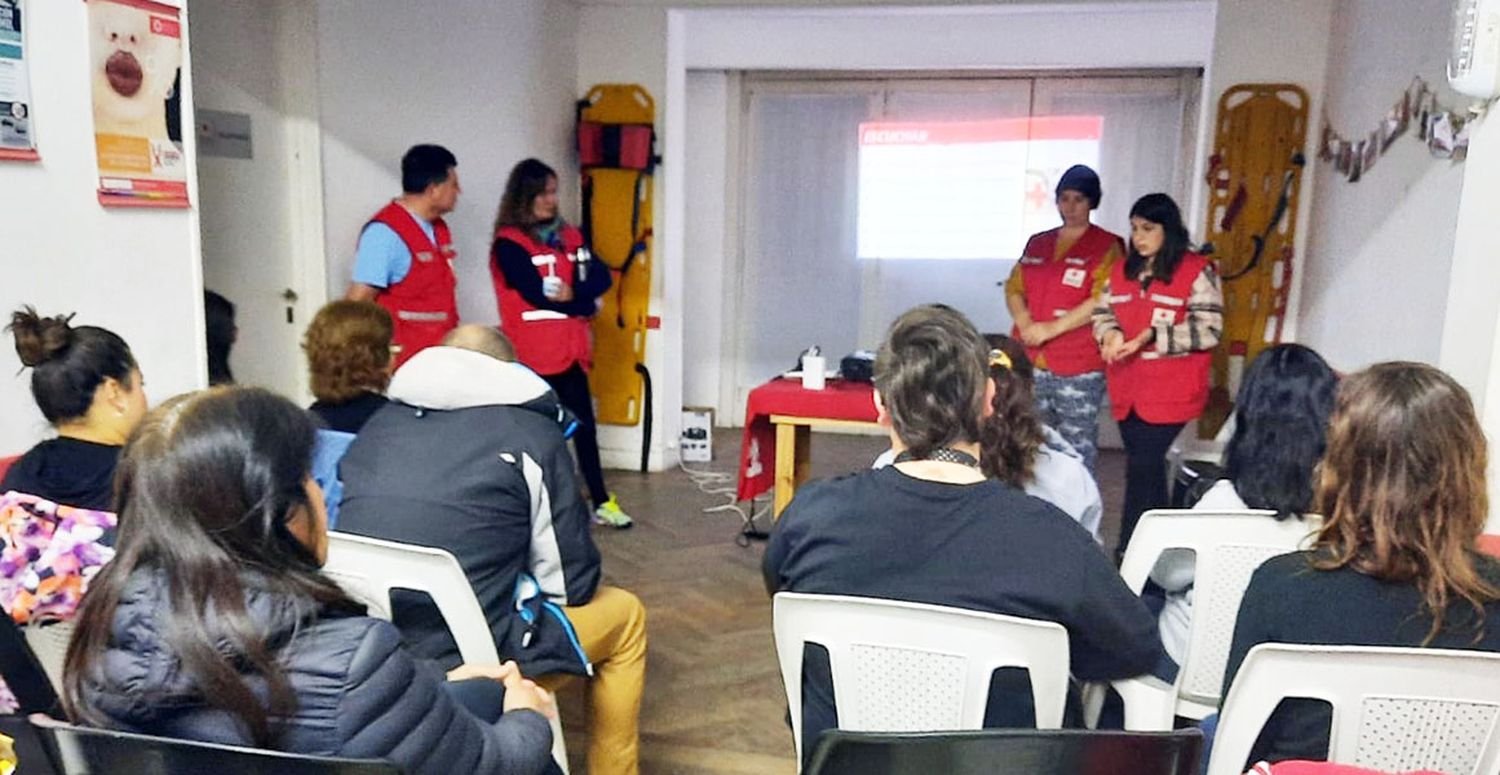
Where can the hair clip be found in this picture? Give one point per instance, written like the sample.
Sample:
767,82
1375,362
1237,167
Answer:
999,358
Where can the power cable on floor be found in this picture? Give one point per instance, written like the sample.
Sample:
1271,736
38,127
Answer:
719,483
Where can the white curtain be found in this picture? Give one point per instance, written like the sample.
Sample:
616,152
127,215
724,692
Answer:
802,282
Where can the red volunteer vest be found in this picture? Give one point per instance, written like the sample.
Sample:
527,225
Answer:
548,342
1055,286
422,304
1159,388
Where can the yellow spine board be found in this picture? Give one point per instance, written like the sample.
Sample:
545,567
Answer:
1260,127
620,326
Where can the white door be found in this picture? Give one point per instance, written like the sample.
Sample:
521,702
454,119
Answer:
261,216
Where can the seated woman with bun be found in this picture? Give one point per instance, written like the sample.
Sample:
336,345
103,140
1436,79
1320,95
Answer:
89,388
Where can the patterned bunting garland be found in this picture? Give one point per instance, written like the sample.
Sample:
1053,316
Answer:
1445,131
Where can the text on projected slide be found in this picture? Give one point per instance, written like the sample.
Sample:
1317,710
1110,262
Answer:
965,189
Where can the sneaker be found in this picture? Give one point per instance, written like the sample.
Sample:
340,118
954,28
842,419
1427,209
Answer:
611,514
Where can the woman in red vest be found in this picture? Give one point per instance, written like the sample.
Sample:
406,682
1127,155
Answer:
548,289
1157,322
1051,294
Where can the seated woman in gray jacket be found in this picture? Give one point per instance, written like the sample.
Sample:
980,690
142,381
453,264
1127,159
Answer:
213,622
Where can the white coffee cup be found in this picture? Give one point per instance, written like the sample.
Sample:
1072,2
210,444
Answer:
813,377
551,286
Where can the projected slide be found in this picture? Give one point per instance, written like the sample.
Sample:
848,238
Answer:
973,189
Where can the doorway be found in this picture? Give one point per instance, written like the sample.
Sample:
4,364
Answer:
260,184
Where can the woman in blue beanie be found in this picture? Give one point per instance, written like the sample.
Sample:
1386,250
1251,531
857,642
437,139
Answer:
1051,294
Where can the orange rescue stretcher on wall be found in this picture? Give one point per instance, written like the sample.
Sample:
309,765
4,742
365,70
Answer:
617,157
1254,181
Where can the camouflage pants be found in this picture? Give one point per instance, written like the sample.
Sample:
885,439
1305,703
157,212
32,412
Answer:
1071,406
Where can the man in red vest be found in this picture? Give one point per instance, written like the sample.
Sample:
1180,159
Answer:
405,257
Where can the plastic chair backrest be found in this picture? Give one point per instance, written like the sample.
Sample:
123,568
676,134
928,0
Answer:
49,642
1394,709
1229,546
82,751
911,667
1008,752
369,568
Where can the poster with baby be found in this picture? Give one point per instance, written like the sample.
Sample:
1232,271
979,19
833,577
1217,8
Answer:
135,55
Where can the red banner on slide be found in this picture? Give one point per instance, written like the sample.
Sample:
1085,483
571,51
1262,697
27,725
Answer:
974,132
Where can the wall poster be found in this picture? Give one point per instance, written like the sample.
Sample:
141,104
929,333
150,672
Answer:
17,141
135,58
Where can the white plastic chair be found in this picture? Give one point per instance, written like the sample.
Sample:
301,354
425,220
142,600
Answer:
910,667
1187,447
369,568
1394,709
1228,547
50,644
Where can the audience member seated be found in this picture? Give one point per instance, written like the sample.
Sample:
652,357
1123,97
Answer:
470,457
87,384
220,332
1403,498
213,622
1018,449
349,361
932,528
48,554
1280,431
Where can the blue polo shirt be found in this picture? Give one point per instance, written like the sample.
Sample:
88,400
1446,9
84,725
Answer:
382,259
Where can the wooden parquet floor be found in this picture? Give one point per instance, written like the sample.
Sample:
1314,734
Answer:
714,701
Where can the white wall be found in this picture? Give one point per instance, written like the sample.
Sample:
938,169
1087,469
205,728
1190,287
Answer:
1388,237
133,271
494,83
707,236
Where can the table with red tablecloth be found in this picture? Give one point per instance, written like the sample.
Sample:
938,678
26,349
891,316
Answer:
795,411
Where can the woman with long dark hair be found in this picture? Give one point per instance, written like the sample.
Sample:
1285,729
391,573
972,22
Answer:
1158,319
548,287
1280,433
1018,448
1051,294
1403,497
89,388
213,622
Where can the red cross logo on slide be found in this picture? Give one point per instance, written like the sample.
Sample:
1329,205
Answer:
1036,196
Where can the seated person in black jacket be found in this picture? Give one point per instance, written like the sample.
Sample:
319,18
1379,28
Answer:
933,529
1403,497
470,457
214,624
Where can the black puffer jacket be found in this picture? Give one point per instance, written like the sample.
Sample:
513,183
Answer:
359,693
